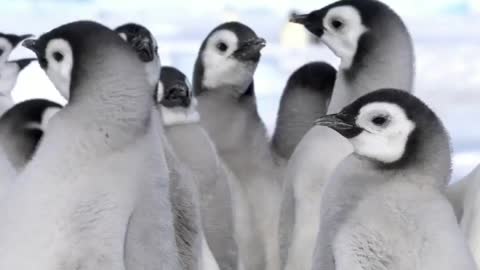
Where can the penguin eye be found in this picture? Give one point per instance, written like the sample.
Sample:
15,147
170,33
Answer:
58,56
222,46
43,62
337,24
379,120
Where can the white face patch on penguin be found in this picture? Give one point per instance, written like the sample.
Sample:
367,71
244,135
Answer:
221,68
160,91
342,30
123,36
180,115
47,115
5,49
59,56
8,77
386,129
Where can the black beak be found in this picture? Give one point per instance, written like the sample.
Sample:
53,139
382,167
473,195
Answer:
177,96
31,44
343,124
22,63
299,18
14,39
143,45
250,50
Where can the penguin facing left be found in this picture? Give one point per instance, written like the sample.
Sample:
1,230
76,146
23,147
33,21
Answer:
97,187
194,252
8,42
385,207
9,72
195,149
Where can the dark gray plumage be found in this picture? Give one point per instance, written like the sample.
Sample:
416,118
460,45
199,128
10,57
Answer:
304,99
21,129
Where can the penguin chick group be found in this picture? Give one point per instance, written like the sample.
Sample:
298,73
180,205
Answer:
142,169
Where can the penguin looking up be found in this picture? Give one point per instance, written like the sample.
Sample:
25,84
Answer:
8,42
376,52
22,127
224,88
9,72
98,182
385,206
195,149
194,252
304,99
145,44
372,42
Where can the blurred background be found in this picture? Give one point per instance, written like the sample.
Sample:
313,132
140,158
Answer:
446,34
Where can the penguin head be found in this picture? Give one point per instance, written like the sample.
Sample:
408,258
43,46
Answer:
85,52
174,89
314,76
228,59
144,44
175,97
388,126
348,27
7,43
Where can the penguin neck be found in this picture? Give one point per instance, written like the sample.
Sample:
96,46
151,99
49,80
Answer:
109,111
218,112
299,108
381,61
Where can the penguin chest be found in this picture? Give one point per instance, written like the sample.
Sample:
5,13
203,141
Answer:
73,217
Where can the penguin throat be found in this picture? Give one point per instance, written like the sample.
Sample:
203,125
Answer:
179,115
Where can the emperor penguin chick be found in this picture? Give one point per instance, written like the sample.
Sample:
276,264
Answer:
223,86
385,206
376,51
305,98
194,148
98,182
194,252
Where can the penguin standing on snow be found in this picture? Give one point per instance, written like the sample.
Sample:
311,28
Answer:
223,86
375,51
195,149
305,98
98,182
385,208
9,72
